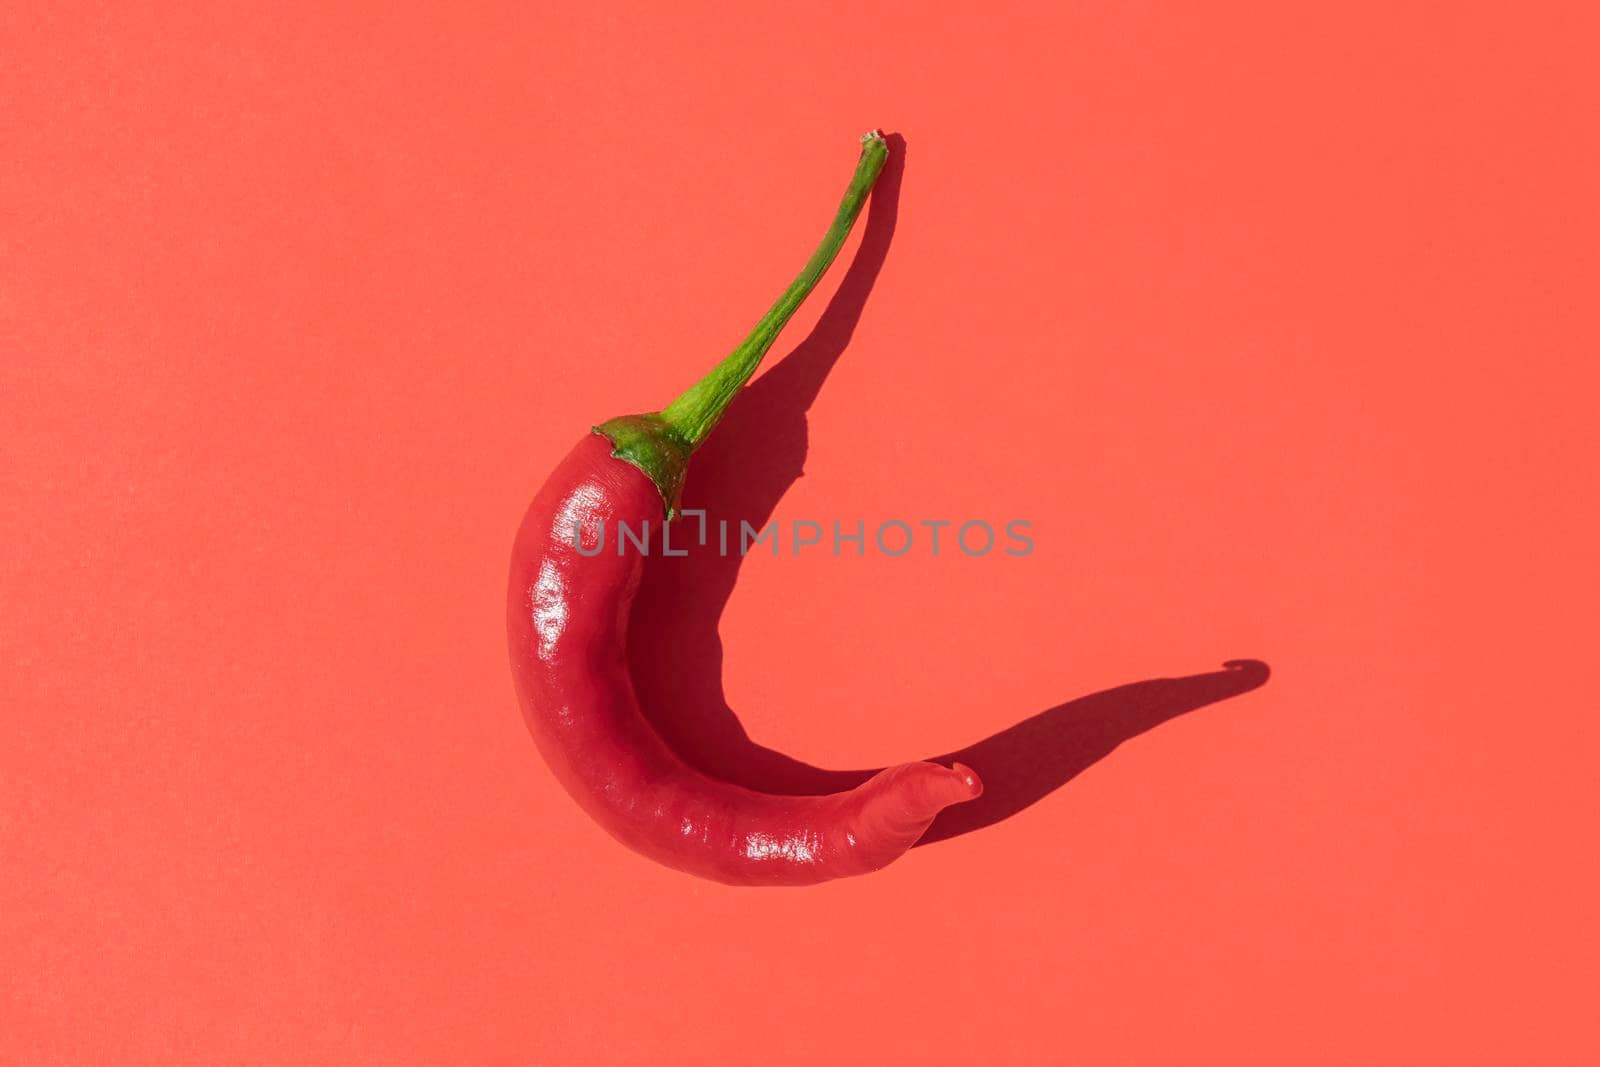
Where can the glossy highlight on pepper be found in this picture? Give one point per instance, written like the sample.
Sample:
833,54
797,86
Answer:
567,616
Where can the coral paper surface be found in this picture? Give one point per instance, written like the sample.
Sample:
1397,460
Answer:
1274,325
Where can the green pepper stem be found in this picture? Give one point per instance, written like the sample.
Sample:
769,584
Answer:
696,413
660,443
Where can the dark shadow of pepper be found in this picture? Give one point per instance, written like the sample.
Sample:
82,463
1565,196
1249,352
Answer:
743,470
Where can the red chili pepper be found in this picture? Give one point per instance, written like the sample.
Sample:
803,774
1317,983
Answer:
567,616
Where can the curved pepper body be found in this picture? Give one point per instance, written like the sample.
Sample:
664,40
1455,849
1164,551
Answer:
567,618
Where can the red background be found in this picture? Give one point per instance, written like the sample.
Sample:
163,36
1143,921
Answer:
1278,325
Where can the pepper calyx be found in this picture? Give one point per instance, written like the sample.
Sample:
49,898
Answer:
649,443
